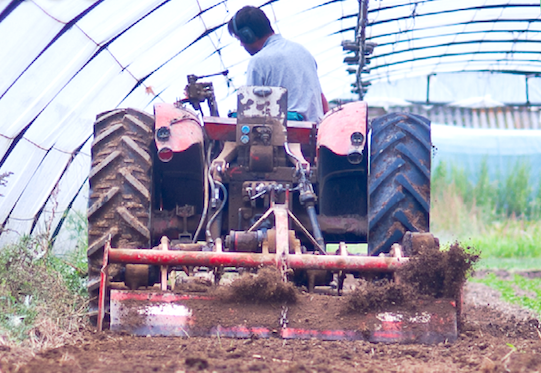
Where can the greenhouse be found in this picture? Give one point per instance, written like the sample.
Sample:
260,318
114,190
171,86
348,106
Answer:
461,63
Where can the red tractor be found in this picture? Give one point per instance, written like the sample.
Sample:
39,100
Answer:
252,190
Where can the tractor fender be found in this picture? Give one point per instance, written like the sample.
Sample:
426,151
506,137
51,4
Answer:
339,130
176,129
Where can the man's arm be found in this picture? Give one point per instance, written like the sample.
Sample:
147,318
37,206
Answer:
325,104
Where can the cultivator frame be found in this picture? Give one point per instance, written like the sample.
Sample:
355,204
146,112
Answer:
165,312
286,257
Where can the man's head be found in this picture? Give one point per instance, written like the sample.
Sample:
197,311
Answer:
252,27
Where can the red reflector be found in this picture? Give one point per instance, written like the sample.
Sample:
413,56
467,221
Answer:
165,154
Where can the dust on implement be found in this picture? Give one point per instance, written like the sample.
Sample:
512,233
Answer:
173,192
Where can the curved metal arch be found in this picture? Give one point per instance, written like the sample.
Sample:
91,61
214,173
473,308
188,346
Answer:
528,64
421,72
478,42
397,75
64,29
460,54
419,15
481,33
205,33
415,39
488,22
101,49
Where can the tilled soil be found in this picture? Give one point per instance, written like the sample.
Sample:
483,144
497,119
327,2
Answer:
494,337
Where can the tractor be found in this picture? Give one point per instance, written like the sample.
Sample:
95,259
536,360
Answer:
180,190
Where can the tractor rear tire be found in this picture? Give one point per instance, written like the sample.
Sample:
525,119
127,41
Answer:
120,183
399,180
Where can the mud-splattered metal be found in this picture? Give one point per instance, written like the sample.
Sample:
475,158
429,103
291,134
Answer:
253,260
168,314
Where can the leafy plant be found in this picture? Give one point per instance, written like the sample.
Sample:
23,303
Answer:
492,200
39,290
73,264
515,198
519,290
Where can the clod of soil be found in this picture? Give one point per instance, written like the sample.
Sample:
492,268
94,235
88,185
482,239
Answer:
194,285
430,273
197,363
265,287
439,273
380,295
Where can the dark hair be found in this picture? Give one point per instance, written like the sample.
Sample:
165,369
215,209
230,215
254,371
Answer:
252,18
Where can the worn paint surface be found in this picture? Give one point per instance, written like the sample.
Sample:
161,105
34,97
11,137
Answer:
163,313
184,125
253,260
337,127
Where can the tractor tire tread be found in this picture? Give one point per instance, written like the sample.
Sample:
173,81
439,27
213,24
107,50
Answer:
120,187
399,179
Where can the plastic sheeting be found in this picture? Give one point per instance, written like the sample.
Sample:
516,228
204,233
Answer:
448,87
502,150
63,62
428,37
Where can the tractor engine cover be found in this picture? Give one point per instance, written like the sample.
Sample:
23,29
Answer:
262,115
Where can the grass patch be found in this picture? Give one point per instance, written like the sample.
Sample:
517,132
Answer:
501,218
511,238
510,264
73,265
519,290
43,298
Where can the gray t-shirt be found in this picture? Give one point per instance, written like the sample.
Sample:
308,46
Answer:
283,63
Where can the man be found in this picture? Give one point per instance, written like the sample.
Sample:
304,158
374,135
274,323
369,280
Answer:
279,62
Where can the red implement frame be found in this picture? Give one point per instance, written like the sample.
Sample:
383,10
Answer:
282,259
171,314
103,285
252,260
218,259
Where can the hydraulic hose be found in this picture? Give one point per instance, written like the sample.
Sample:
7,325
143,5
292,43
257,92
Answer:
206,198
218,211
307,198
311,210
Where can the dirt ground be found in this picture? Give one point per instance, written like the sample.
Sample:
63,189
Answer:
495,337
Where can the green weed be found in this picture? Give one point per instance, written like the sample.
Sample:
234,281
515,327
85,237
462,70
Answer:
40,294
73,265
519,290
513,196
500,217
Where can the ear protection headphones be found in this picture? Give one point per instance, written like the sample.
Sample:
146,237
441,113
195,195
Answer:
245,34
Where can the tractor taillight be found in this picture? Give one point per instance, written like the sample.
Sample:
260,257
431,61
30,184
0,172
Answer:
165,154
357,139
355,156
163,133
